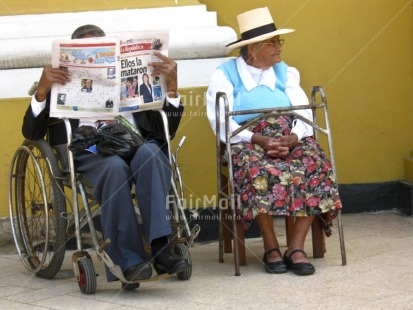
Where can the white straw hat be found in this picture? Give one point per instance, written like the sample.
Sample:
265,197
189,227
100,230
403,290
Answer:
255,26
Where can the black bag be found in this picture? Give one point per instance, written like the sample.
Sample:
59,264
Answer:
111,139
118,139
83,137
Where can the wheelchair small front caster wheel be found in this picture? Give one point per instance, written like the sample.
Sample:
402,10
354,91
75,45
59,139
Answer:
182,251
87,276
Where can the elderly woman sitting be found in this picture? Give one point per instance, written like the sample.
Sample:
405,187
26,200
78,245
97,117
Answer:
279,169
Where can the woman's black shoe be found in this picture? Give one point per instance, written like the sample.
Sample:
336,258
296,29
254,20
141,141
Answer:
274,267
298,268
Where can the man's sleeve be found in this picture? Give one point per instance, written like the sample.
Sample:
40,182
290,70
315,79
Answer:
174,114
35,126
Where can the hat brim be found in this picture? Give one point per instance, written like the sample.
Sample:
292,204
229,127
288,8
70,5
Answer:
263,37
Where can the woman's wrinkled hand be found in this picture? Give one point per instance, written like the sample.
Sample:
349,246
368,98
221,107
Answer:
276,148
290,140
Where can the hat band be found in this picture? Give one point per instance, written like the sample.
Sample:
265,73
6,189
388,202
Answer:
258,31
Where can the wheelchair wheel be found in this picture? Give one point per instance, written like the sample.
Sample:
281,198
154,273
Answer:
87,276
182,251
37,203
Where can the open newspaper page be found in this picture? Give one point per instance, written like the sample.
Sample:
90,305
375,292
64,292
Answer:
94,87
139,90
109,76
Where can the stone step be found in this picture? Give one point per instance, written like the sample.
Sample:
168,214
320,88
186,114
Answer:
196,41
194,32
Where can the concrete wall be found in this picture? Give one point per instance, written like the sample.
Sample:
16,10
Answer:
361,52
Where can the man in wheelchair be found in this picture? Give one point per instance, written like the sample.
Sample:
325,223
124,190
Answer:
112,177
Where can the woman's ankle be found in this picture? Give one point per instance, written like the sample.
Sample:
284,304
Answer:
297,256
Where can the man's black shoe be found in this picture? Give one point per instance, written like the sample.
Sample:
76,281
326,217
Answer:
165,262
130,286
141,271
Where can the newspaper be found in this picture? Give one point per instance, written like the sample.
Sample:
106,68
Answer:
109,76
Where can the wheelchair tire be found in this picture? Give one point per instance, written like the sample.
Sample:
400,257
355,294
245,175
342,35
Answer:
87,276
39,225
182,251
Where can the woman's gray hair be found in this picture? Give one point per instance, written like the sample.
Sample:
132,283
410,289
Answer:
80,32
243,51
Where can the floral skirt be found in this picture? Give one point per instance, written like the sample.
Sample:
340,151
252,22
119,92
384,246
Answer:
302,184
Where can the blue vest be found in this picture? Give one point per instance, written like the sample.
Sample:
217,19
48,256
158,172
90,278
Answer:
260,97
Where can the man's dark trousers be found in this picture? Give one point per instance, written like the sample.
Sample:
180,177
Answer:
112,179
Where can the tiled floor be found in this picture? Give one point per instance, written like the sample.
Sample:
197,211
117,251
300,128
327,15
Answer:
379,275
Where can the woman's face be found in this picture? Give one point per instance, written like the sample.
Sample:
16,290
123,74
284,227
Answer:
267,53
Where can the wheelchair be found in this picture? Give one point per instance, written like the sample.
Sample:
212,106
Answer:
232,228
50,204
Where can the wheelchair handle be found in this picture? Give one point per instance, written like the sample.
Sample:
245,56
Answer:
32,89
177,149
181,141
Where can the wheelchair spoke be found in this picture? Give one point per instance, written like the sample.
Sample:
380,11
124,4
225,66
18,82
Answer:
38,206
